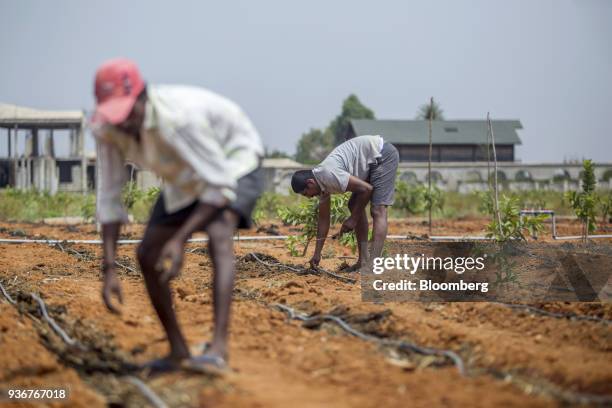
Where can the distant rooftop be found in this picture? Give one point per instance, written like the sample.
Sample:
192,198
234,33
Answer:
416,132
23,117
281,162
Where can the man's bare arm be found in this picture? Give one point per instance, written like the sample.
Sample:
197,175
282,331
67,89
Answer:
322,228
110,234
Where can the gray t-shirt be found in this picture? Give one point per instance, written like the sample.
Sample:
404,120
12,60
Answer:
351,158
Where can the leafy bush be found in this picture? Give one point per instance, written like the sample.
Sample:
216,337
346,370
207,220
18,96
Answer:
305,214
584,202
415,199
512,224
266,207
605,207
33,206
142,206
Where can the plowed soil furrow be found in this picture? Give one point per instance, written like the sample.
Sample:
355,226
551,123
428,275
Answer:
514,358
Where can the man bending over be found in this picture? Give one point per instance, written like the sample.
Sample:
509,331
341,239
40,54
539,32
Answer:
208,154
366,166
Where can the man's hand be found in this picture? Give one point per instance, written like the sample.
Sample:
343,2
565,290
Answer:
347,226
111,288
314,261
170,260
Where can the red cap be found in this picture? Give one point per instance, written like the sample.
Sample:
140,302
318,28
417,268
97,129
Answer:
118,84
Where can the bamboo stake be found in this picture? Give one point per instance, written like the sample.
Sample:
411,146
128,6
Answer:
495,187
431,103
489,161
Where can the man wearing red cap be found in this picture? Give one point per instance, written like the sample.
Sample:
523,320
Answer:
208,154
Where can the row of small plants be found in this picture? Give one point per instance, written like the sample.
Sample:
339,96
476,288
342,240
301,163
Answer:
412,199
585,203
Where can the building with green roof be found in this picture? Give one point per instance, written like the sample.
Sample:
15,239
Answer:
452,140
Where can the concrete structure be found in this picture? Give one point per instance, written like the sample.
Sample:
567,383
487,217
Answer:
466,177
33,164
452,140
277,175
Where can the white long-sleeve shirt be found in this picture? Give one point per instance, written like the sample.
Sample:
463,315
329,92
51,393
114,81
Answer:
198,142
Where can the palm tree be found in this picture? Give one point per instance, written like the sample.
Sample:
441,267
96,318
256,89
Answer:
426,111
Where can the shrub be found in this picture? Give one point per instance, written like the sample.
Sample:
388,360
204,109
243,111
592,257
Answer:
266,207
305,214
415,199
512,224
605,207
584,202
33,206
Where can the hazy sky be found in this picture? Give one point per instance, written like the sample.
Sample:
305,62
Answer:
290,64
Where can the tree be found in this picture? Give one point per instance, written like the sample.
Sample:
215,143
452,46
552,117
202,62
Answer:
275,154
427,110
352,108
314,146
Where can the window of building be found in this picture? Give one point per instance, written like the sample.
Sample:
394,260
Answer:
456,153
65,172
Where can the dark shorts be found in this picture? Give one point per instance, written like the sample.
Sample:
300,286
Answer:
383,174
248,191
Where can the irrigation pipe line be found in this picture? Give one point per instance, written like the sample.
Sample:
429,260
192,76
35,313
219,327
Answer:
555,314
67,339
454,357
303,270
6,295
146,391
128,241
271,238
236,238
570,396
84,257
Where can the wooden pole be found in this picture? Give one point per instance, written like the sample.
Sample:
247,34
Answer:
489,161
431,103
9,136
495,188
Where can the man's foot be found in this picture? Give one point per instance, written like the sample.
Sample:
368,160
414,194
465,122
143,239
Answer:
211,364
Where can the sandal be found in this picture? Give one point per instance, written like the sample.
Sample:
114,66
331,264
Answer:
206,364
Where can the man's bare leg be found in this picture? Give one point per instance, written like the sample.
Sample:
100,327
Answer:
221,247
361,234
379,233
154,239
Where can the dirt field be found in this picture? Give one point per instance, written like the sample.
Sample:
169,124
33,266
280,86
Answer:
512,357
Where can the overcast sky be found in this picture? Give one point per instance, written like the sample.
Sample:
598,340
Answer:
290,64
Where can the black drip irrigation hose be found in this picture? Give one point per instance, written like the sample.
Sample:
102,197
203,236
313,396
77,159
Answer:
146,391
555,391
85,257
402,345
56,327
6,295
302,271
543,312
